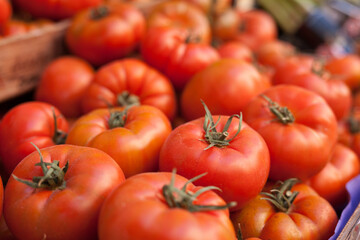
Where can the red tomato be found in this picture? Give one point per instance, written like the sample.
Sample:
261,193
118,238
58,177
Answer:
273,53
130,81
5,233
17,27
300,214
1,196
184,15
226,86
237,50
106,33
349,131
5,12
176,54
64,204
330,182
347,67
299,128
36,122
63,84
133,137
253,28
231,155
335,92
149,206
55,9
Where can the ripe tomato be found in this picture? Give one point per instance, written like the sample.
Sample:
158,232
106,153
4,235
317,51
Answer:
209,5
130,81
230,152
1,196
5,12
299,213
349,131
5,233
176,54
63,84
184,15
132,136
299,128
237,50
64,203
331,180
36,122
157,206
273,53
226,86
335,92
106,33
55,9
253,28
17,27
347,67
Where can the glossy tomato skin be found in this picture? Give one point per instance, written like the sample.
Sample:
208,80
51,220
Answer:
109,32
135,146
70,213
226,87
55,10
183,15
27,122
63,84
135,77
299,149
173,52
5,12
335,92
237,50
331,180
253,28
138,210
239,169
346,67
311,217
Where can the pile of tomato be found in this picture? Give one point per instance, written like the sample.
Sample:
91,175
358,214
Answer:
185,119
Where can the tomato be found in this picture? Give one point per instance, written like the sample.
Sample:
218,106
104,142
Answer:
347,67
63,83
299,128
349,131
226,86
64,204
235,157
1,196
330,182
130,81
237,50
17,27
54,9
159,206
5,233
5,12
274,53
36,122
335,92
209,5
253,28
299,213
176,54
106,33
181,14
132,136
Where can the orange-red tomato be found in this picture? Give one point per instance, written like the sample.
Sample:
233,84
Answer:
106,33
5,12
130,81
133,137
237,50
64,200
274,52
307,217
331,180
184,15
63,84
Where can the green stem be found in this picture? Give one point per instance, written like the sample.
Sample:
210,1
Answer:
125,99
99,12
282,114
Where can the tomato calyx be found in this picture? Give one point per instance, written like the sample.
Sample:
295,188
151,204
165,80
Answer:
53,175
181,198
126,99
118,118
282,197
354,124
59,135
99,12
283,114
212,136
